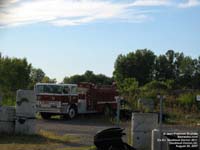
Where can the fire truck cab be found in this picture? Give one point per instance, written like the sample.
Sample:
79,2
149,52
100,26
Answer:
54,99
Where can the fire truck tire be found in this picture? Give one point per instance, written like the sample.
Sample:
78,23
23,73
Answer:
45,115
72,112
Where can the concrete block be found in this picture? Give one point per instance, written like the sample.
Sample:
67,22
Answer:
144,121
142,140
26,94
26,109
25,126
7,127
7,113
141,128
26,103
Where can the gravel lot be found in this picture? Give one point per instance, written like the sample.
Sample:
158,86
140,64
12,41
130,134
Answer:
83,127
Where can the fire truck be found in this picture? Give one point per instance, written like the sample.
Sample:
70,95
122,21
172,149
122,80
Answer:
70,100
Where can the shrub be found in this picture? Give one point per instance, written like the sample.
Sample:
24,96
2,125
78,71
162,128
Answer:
155,85
187,100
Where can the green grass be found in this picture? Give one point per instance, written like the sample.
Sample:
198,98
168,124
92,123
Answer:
44,140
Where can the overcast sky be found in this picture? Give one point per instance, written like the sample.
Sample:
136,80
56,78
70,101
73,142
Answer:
67,37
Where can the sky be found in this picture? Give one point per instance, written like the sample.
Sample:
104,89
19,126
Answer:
67,37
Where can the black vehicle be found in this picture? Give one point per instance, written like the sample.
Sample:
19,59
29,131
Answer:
111,139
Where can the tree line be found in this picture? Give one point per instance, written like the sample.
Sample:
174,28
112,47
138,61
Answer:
140,68
144,66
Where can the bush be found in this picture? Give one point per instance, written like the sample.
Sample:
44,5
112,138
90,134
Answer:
188,101
155,85
151,89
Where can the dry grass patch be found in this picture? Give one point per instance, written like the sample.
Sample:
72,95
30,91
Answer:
44,140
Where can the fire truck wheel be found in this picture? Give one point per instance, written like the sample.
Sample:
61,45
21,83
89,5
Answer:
72,112
45,115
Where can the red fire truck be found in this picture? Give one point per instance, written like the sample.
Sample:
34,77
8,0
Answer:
72,99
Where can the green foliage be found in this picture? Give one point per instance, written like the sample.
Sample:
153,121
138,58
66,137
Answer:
170,84
14,75
89,76
129,88
155,85
175,69
46,79
36,75
151,89
187,99
138,65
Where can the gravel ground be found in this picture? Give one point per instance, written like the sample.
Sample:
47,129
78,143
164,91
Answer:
83,127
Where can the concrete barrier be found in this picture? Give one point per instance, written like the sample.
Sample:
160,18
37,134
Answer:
142,126
25,126
25,112
7,113
7,119
22,119
7,127
26,103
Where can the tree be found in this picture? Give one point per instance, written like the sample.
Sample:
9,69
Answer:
89,76
74,79
14,75
138,65
129,88
187,72
165,66
36,76
46,79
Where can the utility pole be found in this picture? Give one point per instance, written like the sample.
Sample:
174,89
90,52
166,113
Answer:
118,99
0,100
161,98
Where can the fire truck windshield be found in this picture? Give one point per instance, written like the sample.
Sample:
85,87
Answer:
56,89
